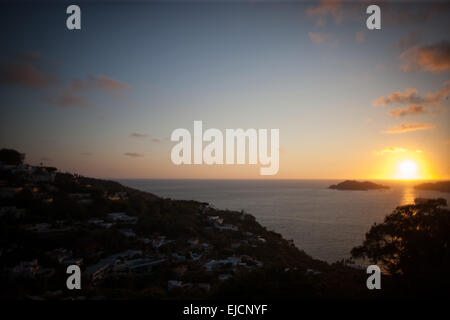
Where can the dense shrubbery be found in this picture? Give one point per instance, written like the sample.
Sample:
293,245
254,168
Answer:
413,243
11,157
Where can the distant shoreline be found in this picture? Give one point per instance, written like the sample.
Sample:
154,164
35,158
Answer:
442,186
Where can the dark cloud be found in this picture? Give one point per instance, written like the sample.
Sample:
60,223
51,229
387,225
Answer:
133,154
410,40
412,13
412,97
24,74
70,97
67,99
138,135
408,127
110,84
325,9
393,13
413,109
433,58
101,83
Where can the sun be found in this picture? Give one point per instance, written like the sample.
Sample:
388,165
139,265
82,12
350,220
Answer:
407,170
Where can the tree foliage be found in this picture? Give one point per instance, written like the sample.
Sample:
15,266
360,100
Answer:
413,242
11,157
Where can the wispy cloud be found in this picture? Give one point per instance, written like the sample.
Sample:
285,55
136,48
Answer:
318,37
412,97
70,96
133,154
398,13
434,58
360,36
111,85
413,109
325,9
24,72
408,127
410,40
409,96
390,150
102,83
67,98
138,135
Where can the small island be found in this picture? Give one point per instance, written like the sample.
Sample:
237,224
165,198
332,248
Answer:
443,186
356,185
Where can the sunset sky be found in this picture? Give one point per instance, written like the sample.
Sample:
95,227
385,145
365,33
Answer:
349,102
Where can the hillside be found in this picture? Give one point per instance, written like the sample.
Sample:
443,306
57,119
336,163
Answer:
131,244
443,186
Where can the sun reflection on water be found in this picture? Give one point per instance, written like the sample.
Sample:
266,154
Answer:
408,196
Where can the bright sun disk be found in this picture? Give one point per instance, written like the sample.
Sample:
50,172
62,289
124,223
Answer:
407,170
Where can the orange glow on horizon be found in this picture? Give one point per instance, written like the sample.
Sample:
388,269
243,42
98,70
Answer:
408,165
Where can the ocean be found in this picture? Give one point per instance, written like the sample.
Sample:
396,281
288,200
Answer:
324,223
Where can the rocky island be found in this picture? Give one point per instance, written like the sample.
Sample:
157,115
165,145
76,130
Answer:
356,185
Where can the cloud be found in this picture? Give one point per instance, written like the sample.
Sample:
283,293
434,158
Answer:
102,83
67,99
407,127
409,96
360,36
110,85
324,9
24,74
410,40
317,37
391,12
399,13
133,154
87,154
391,150
156,140
413,109
70,97
138,135
412,97
434,58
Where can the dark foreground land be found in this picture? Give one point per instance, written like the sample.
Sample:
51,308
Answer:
134,245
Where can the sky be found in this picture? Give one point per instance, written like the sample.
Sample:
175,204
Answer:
349,102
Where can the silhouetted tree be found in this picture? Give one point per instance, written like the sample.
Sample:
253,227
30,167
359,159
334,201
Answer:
11,157
413,243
